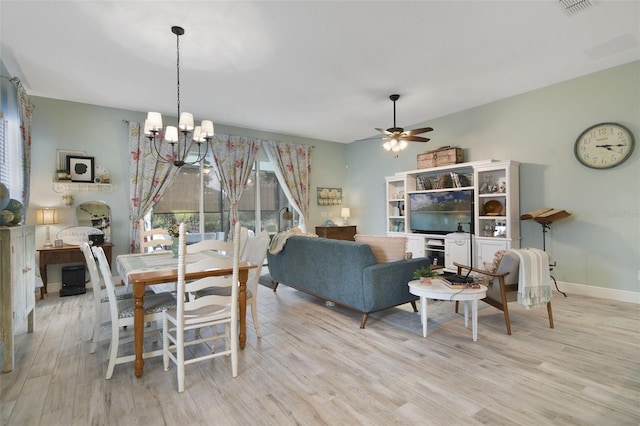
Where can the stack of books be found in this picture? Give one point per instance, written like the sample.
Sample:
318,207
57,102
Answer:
459,285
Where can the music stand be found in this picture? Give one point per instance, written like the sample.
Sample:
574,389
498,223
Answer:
546,217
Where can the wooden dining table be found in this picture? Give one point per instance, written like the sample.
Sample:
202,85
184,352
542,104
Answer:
143,269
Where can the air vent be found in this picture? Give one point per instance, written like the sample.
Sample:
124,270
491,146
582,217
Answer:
574,6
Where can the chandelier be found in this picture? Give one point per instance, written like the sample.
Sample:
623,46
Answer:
182,137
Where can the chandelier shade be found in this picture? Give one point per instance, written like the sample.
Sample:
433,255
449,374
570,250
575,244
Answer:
181,138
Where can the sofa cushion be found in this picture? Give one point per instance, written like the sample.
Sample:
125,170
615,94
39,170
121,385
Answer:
385,249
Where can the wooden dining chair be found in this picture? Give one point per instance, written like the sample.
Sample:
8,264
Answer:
121,312
153,239
195,313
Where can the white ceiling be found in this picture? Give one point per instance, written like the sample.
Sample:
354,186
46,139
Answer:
317,69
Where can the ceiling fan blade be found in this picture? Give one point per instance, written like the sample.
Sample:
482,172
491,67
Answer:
418,131
415,139
386,132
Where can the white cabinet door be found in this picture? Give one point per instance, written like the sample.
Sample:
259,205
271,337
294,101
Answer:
456,250
487,248
415,245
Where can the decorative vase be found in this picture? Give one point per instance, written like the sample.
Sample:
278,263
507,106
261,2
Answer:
425,280
174,246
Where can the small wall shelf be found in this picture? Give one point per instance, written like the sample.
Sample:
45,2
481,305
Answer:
68,186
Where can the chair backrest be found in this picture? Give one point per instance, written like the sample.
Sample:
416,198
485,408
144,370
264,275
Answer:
255,252
94,274
105,270
148,240
184,306
215,245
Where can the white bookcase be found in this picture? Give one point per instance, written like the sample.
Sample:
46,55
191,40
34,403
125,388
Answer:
496,212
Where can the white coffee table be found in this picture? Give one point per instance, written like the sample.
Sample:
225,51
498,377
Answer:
440,291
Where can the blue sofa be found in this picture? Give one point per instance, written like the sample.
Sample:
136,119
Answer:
344,272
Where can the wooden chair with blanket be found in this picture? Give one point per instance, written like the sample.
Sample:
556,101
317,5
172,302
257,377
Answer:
507,281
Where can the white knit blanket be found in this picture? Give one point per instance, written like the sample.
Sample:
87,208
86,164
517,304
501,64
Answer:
534,281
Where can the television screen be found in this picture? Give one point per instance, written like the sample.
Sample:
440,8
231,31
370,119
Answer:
440,212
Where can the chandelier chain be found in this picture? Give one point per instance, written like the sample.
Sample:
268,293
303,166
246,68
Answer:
178,70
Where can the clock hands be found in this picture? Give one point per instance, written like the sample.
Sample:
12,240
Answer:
609,146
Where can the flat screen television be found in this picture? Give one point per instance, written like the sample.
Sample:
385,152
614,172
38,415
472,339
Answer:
440,212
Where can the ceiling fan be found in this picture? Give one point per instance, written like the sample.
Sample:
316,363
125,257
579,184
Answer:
395,138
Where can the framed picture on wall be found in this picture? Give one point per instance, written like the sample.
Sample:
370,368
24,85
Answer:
80,168
62,154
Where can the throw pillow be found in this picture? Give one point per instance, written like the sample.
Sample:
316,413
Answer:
385,249
497,258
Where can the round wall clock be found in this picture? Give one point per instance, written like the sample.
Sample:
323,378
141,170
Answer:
604,145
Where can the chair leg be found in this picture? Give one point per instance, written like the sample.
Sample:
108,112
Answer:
507,321
254,315
550,314
165,343
180,358
414,306
97,322
113,350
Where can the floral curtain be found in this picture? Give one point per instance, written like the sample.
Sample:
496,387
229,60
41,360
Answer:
26,110
293,168
149,179
234,157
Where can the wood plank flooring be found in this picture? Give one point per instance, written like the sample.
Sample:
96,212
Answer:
315,366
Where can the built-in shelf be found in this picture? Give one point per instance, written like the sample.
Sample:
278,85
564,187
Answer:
62,187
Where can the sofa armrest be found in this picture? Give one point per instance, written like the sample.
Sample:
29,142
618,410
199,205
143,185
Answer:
386,284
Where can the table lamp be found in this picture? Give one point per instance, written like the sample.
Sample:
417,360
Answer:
47,217
345,214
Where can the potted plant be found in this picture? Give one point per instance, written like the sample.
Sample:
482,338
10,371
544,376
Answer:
61,174
424,275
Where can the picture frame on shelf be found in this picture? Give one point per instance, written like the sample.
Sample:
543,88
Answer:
80,168
61,158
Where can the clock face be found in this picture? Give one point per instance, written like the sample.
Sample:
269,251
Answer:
604,145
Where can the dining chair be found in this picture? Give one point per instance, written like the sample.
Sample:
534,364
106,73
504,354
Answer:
255,252
100,296
148,238
215,245
121,312
194,313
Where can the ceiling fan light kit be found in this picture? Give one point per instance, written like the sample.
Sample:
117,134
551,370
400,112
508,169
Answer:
396,138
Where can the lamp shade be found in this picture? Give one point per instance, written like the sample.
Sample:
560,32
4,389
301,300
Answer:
345,212
46,216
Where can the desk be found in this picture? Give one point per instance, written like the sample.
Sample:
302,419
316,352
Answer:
141,270
440,291
61,255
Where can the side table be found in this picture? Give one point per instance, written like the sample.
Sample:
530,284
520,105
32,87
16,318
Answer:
438,290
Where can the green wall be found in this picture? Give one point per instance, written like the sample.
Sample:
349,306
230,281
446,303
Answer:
102,134
598,245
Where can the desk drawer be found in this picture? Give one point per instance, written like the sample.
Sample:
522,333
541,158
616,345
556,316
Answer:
64,257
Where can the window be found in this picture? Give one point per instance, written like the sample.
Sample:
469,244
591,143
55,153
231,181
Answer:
196,186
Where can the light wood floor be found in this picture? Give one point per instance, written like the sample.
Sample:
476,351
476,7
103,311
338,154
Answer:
314,366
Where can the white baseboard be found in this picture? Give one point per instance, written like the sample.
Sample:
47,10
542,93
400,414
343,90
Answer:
600,292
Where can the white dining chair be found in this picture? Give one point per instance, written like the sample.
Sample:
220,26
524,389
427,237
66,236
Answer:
100,296
214,245
153,239
255,252
121,312
194,313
